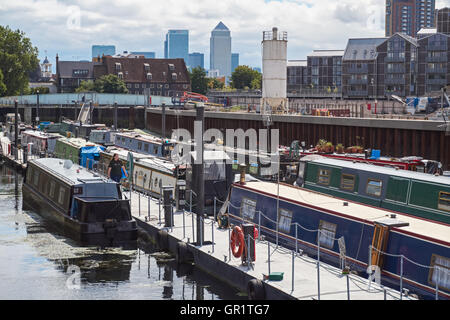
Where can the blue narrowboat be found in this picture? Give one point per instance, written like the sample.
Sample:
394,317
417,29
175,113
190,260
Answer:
143,143
403,247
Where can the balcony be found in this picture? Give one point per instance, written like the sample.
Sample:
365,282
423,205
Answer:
437,47
358,70
399,69
435,70
442,58
357,93
394,59
399,93
357,81
394,81
441,82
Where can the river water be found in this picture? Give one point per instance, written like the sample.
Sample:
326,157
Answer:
37,262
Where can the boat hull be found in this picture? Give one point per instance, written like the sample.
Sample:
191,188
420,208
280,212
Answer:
120,234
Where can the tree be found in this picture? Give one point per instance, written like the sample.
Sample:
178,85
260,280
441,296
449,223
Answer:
257,81
17,59
86,86
213,83
199,82
2,85
105,84
243,76
110,84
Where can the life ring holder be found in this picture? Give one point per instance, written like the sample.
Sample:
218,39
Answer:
237,242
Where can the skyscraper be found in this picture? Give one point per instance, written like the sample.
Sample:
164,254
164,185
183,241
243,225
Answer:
443,20
220,50
176,45
409,16
234,61
196,59
100,50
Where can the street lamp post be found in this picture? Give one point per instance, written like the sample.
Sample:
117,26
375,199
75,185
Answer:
37,108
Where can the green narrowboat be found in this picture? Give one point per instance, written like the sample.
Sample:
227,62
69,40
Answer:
418,194
70,148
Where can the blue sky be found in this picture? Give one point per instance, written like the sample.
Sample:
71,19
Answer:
70,28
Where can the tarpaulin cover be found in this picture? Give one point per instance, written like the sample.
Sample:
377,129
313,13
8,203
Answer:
92,153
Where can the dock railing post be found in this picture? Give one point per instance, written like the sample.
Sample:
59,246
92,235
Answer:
268,256
437,282
159,204
401,277
214,208
139,203
293,267
296,239
348,288
318,265
184,224
229,244
212,235
201,230
148,210
259,225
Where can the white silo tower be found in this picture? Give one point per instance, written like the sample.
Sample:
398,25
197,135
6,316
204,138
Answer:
274,77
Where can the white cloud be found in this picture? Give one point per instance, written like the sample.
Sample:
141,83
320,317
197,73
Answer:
142,24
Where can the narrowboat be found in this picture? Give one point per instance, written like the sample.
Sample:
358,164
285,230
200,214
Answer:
144,143
85,206
406,249
414,193
39,142
150,173
9,127
70,128
105,137
78,150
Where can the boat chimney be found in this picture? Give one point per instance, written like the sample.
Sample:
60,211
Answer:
242,168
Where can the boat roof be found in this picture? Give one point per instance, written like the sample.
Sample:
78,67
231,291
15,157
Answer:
41,134
383,170
141,136
143,159
426,228
77,142
73,175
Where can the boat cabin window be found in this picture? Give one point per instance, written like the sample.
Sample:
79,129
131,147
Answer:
374,187
51,191
146,147
440,272
248,208
285,220
140,145
327,234
301,169
155,150
444,201
62,193
36,177
348,182
324,177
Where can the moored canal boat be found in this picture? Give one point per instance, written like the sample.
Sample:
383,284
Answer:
412,249
85,206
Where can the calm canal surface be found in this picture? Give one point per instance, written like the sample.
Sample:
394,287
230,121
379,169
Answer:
36,262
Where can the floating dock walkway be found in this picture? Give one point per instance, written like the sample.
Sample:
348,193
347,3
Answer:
301,280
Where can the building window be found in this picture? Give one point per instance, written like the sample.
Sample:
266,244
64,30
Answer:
146,67
324,177
440,272
120,75
166,86
136,85
77,73
374,187
248,208
185,86
149,76
174,76
285,219
444,201
327,234
348,182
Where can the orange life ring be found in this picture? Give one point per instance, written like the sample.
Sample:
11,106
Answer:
237,242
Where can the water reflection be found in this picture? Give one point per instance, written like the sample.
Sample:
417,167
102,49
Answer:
39,262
